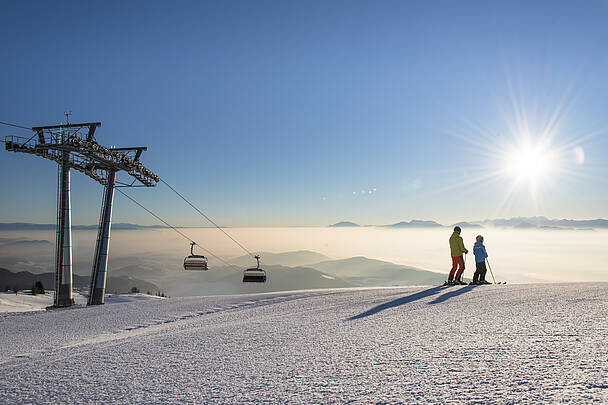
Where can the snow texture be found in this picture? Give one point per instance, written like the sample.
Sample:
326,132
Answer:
471,344
24,301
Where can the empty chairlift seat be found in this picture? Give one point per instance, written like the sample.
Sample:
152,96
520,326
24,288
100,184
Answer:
254,274
195,262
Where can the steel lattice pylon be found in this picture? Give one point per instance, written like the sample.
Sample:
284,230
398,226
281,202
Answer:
74,146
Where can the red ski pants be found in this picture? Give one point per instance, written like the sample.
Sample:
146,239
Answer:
457,264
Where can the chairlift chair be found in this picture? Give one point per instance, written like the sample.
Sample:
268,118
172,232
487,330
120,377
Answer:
254,274
195,262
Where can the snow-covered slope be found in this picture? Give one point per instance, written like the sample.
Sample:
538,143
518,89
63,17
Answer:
504,344
25,301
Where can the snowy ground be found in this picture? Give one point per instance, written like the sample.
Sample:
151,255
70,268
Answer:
499,344
24,301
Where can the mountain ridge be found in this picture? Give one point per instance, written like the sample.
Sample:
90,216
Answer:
23,226
540,222
345,224
537,222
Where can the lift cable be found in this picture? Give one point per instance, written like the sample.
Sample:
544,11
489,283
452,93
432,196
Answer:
14,125
175,229
180,195
207,218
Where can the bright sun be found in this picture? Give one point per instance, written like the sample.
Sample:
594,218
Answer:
528,155
529,162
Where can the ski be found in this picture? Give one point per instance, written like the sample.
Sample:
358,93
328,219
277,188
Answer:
446,284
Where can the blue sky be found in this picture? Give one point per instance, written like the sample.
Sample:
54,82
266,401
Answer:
307,113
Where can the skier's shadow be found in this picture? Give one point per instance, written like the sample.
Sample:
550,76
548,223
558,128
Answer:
452,294
401,301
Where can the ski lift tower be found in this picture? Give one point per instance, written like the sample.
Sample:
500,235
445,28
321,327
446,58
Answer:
73,146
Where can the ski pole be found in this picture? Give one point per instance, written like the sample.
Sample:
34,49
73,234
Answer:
464,266
490,267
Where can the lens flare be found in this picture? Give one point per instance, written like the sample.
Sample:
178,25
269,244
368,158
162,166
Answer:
579,155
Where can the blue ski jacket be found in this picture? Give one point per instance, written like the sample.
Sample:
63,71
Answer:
480,252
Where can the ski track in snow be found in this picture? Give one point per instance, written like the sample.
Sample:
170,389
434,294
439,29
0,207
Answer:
472,344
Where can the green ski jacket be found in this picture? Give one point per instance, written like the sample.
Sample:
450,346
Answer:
457,245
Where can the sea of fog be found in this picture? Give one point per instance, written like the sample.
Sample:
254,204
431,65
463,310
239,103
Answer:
515,255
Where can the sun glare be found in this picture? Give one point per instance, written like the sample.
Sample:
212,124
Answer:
528,162
529,155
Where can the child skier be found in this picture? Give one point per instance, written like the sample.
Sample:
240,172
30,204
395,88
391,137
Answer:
480,261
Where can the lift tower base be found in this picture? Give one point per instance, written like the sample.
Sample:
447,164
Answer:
102,248
63,253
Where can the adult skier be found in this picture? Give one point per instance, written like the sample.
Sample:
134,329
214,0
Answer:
479,250
456,249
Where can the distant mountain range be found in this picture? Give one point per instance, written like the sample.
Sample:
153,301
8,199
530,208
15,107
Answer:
467,225
26,226
352,272
343,224
538,222
294,270
355,271
361,271
546,223
9,242
415,223
291,259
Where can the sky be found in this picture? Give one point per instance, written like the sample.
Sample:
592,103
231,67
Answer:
308,113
